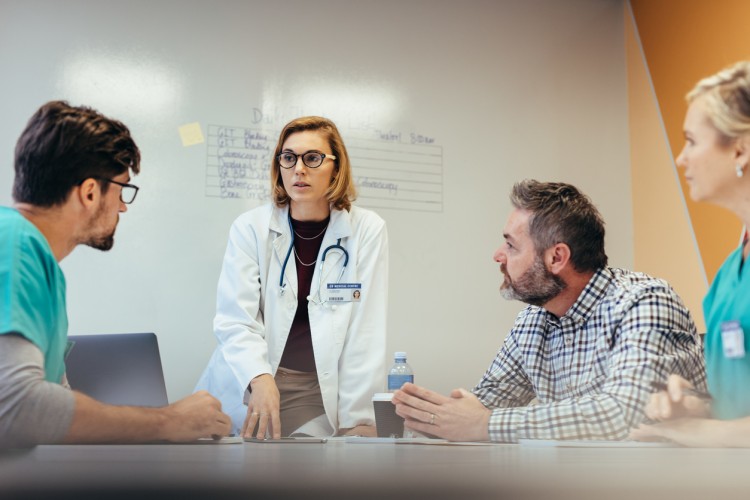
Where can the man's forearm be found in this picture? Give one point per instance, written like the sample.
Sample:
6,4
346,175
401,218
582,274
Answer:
196,416
95,422
592,417
34,411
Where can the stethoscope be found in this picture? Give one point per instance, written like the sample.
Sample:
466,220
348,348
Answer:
335,246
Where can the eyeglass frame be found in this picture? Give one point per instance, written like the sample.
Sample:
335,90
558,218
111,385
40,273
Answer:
302,155
121,184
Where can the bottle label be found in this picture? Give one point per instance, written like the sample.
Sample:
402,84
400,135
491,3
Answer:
396,381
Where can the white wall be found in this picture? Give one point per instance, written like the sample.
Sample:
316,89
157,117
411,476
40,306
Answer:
507,90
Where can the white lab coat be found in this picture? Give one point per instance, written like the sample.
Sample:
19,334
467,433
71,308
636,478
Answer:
253,319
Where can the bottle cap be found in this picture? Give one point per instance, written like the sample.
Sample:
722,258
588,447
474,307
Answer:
400,355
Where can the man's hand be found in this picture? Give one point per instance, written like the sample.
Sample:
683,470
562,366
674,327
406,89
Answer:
196,416
675,403
460,417
263,408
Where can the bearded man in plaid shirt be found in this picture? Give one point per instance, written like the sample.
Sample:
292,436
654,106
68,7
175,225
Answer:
588,345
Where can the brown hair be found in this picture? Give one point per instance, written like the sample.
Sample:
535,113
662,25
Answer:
560,213
341,192
62,146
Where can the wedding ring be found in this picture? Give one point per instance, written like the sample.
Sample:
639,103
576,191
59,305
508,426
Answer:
254,414
432,419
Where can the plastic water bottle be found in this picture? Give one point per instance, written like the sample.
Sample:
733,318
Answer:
400,373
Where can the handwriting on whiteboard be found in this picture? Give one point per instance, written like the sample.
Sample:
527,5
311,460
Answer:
391,169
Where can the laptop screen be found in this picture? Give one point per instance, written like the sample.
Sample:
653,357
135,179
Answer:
118,369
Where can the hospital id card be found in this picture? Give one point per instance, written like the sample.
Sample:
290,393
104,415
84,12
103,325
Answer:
733,339
344,292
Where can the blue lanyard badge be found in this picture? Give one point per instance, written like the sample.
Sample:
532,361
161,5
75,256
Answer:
344,292
733,340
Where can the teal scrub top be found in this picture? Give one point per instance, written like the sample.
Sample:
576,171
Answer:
32,291
728,299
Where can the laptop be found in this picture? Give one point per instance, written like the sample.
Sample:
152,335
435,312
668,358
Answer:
118,369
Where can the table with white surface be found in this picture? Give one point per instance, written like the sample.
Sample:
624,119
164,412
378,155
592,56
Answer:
338,469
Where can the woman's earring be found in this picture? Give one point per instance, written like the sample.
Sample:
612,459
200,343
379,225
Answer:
740,169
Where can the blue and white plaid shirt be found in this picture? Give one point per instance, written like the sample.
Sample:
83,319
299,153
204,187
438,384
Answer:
591,369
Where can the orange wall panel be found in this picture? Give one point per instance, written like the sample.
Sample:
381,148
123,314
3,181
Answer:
664,242
684,41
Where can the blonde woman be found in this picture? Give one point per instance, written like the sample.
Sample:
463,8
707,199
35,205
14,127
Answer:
715,159
297,354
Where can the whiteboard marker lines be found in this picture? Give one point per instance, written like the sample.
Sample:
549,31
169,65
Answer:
389,174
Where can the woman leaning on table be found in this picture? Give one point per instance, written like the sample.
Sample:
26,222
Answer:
294,342
715,159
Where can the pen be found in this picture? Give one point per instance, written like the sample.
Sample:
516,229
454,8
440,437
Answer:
688,391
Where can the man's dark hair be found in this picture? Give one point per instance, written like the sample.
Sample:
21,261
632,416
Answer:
560,213
64,145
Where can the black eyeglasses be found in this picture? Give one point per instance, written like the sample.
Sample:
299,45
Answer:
127,193
311,159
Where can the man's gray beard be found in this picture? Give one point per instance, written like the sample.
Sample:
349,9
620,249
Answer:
536,286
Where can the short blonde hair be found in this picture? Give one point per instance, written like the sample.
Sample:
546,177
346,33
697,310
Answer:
727,98
342,192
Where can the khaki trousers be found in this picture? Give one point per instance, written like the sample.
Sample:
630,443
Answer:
300,398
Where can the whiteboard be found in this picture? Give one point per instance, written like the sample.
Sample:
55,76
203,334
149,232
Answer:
484,93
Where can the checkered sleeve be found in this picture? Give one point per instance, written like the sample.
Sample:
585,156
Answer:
653,336
505,384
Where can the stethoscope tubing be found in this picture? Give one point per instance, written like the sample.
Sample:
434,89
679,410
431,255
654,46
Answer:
335,246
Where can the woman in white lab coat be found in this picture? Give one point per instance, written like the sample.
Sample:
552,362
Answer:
298,350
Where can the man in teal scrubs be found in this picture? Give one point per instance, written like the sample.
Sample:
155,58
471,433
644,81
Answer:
72,181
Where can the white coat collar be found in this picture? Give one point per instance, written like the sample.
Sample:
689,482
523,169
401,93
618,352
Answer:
339,227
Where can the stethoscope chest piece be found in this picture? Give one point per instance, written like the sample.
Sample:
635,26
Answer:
335,246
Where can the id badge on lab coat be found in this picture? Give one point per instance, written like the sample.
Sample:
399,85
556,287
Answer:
343,292
733,339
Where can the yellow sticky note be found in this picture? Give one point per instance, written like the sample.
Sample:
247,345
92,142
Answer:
191,134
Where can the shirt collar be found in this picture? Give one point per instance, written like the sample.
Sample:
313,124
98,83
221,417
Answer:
590,296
